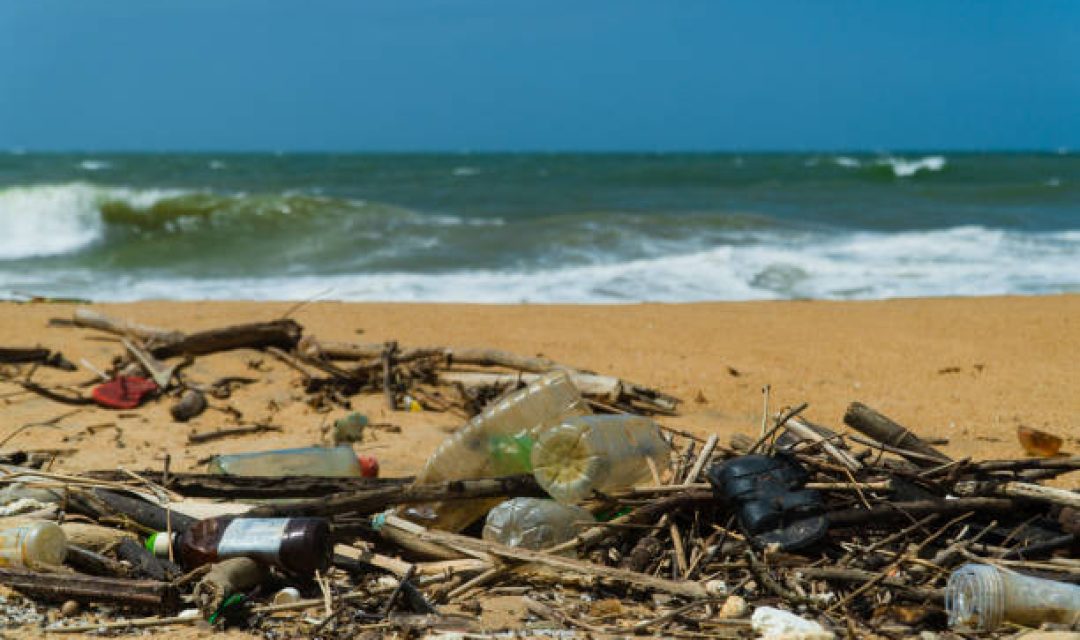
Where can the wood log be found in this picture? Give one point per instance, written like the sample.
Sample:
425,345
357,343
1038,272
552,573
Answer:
208,485
379,499
34,355
95,564
283,334
90,319
142,511
67,586
1022,490
864,419
916,508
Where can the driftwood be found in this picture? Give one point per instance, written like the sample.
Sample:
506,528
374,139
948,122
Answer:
90,319
94,563
607,389
1022,490
35,355
904,510
208,436
160,372
864,419
208,485
163,343
145,513
374,356
66,586
375,500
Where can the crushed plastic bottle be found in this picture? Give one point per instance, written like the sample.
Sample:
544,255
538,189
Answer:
32,545
497,442
597,453
337,462
983,597
298,545
534,523
776,624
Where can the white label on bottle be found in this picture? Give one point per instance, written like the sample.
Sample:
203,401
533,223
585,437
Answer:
258,538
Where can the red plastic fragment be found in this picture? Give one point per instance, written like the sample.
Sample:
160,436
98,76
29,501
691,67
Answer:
124,392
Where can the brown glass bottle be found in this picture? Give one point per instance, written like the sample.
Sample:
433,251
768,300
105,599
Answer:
298,545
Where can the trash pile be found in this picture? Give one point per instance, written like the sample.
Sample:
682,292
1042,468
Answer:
559,491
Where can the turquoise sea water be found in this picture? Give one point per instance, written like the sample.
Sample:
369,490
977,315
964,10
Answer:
538,227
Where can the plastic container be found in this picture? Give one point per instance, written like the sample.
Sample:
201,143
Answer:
298,545
534,523
497,442
337,462
983,597
32,545
597,453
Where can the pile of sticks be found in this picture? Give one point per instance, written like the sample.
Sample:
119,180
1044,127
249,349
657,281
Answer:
670,558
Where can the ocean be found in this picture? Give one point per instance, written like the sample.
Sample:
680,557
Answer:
508,228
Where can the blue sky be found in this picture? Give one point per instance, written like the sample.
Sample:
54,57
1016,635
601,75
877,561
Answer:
476,75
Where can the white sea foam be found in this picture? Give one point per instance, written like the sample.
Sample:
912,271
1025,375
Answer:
903,168
463,172
845,161
94,165
968,260
48,220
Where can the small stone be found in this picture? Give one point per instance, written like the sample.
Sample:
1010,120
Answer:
70,609
734,607
716,588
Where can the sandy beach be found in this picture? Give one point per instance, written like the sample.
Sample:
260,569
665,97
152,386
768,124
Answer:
969,370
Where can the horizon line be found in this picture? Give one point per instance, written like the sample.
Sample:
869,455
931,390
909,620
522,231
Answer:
1059,150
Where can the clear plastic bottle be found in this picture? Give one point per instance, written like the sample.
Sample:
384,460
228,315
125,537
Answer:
298,545
32,544
337,462
597,453
497,442
983,597
534,523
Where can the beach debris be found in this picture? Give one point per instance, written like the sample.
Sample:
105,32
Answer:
776,624
192,403
35,355
534,523
983,597
821,531
349,429
124,392
335,462
1038,443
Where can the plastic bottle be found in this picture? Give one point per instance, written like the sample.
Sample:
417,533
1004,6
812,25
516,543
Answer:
597,453
337,462
298,545
32,544
982,597
496,442
534,523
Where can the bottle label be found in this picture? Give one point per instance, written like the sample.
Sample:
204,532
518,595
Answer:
258,538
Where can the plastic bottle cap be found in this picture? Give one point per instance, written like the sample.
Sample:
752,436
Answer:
287,595
158,544
369,466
